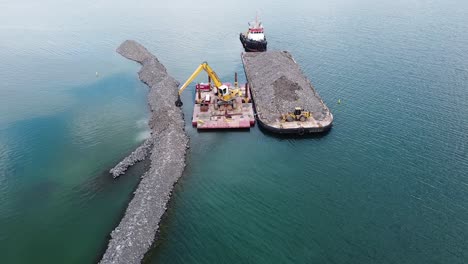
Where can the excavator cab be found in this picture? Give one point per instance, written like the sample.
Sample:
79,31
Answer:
223,90
297,111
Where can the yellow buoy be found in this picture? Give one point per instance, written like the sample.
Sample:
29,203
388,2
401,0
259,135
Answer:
339,101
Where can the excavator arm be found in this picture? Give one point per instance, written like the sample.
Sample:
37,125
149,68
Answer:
204,66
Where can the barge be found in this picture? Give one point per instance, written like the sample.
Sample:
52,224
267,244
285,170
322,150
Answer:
284,99
207,115
219,105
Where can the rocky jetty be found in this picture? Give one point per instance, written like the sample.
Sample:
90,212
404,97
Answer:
137,155
167,145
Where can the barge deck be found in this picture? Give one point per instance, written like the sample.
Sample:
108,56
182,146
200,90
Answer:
208,115
278,86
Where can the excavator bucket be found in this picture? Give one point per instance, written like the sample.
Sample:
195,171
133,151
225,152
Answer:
178,102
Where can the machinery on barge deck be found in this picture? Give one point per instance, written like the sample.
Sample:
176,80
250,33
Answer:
219,105
298,115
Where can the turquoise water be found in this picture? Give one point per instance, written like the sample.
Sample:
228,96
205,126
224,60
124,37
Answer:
388,184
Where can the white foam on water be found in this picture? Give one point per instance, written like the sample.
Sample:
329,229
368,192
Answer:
142,123
144,131
143,135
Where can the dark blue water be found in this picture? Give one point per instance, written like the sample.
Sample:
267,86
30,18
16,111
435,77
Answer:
388,184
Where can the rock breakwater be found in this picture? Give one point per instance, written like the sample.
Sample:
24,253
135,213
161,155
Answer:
168,143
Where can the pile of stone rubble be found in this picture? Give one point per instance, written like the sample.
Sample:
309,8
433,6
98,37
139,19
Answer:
279,85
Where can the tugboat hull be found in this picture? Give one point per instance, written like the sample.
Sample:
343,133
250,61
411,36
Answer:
252,45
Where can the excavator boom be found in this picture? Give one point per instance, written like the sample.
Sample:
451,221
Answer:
204,66
209,71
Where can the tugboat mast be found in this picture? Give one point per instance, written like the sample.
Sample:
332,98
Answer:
257,22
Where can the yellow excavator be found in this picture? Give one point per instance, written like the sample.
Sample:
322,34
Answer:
226,95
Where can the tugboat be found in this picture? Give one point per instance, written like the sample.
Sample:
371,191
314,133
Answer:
254,39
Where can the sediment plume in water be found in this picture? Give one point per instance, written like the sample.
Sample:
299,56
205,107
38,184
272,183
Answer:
167,147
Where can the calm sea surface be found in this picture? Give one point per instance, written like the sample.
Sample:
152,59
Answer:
388,184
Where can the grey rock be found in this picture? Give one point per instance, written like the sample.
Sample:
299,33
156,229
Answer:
139,154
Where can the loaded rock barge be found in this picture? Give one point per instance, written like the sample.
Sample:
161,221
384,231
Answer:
284,99
167,146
